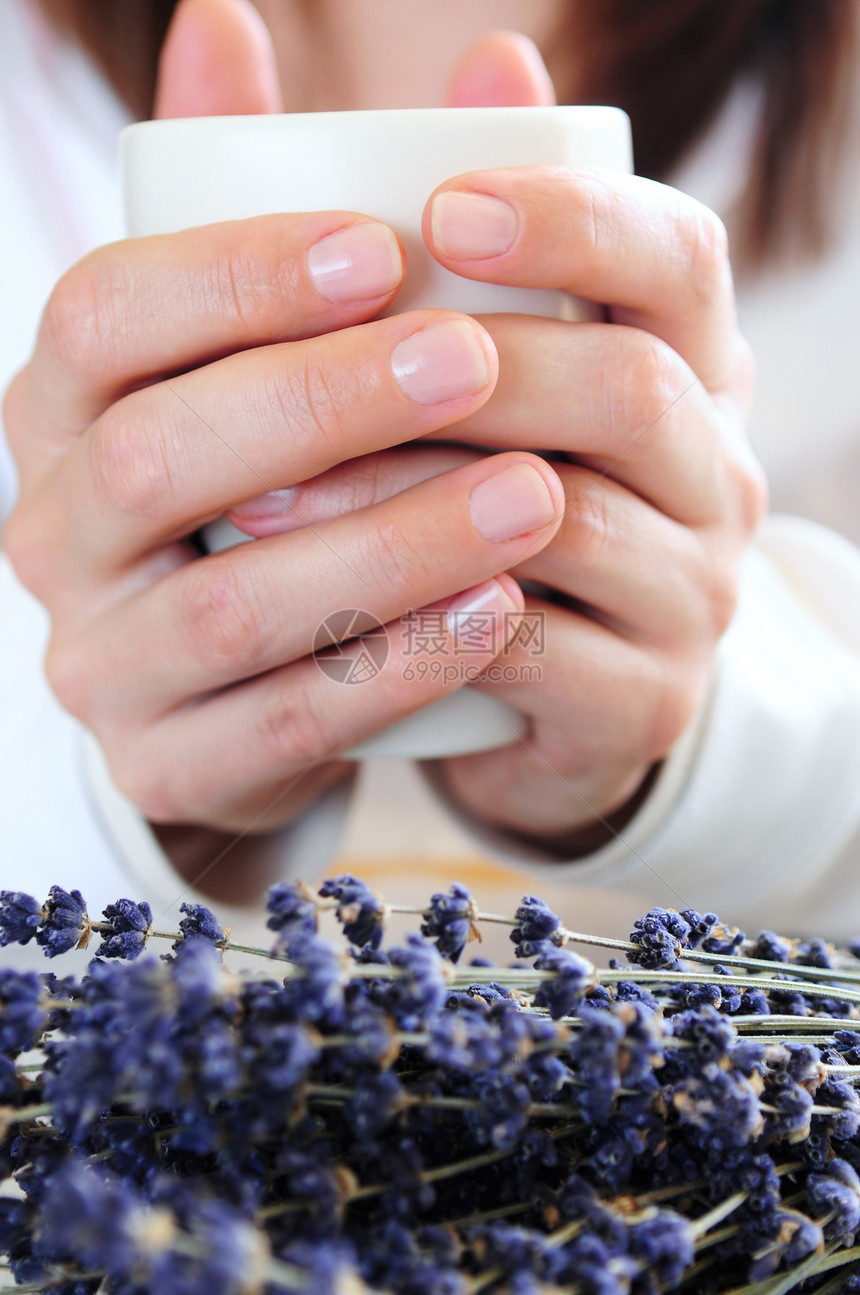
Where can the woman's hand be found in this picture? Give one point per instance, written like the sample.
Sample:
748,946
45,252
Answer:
662,492
162,367
172,376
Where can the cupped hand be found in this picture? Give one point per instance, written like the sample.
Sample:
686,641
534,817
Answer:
662,490
175,662
647,412
175,376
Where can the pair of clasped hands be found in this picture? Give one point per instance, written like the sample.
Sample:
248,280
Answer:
195,672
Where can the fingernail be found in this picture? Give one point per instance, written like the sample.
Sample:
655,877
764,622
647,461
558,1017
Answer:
275,503
442,362
511,503
356,263
469,226
483,604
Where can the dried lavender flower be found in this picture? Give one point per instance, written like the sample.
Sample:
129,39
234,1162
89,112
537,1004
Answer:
361,912
20,916
292,912
65,924
199,923
130,924
536,922
383,1118
660,935
22,1017
771,947
450,921
572,975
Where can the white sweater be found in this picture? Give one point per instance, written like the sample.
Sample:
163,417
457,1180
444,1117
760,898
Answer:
756,813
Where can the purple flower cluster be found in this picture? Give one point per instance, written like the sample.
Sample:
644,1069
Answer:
361,913
129,924
536,923
385,1118
450,921
60,924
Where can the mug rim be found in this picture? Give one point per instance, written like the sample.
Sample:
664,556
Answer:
268,121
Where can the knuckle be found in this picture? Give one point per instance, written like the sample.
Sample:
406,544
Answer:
705,246
130,470
397,560
80,319
649,379
70,674
291,732
150,785
337,491
314,396
677,697
221,620
589,526
250,277
744,494
722,594
376,477
658,377
361,483
30,550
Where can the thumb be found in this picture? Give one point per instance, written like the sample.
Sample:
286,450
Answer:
501,70
217,60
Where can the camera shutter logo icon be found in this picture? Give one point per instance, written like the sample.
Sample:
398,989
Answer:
351,646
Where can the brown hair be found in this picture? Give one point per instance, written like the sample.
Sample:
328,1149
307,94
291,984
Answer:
669,63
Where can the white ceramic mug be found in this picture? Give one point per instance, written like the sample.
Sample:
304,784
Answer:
385,164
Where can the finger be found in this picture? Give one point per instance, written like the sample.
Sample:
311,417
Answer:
502,69
356,484
618,399
591,698
633,569
290,721
217,60
657,258
130,312
596,699
171,457
255,607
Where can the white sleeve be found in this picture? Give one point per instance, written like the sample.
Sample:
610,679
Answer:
64,821
756,812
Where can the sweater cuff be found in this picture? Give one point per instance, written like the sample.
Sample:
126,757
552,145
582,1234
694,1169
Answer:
305,846
763,791
621,857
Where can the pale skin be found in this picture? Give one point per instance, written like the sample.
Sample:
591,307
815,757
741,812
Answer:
194,673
